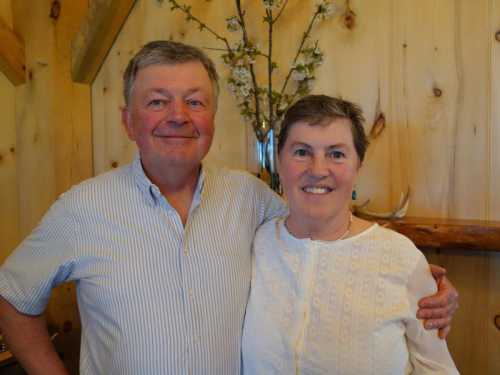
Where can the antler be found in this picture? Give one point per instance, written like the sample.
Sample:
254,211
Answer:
398,213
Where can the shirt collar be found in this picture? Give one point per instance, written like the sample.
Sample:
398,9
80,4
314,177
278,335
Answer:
152,193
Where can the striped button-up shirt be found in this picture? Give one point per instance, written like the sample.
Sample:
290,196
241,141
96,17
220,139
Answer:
155,297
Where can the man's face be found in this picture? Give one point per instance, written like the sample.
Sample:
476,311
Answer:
170,115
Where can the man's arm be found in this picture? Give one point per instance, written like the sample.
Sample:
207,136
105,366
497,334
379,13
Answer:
29,341
438,309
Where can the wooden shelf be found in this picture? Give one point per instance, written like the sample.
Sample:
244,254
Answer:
448,234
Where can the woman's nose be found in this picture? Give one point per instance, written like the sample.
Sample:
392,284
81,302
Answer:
319,167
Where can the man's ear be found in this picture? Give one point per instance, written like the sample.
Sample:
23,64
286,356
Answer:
127,122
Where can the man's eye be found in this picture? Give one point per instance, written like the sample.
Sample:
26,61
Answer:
156,103
195,103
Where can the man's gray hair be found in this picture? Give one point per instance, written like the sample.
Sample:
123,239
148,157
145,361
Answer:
166,52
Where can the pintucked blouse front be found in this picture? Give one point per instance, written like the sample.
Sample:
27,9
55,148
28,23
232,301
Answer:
339,307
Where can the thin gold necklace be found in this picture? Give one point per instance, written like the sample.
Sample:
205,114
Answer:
346,233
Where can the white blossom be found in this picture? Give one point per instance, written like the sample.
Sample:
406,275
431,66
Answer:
233,24
326,8
241,73
299,75
272,4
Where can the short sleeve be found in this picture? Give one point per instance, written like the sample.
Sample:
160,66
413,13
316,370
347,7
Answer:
41,262
272,205
428,353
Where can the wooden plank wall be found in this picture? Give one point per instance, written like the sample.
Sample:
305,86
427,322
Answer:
9,210
432,67
45,137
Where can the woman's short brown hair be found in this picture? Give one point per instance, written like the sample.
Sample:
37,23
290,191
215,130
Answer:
321,110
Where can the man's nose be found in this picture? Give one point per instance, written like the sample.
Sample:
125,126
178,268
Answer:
178,112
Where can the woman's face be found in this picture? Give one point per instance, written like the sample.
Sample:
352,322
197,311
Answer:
318,166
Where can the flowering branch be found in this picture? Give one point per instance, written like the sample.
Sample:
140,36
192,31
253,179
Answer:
201,25
264,108
257,123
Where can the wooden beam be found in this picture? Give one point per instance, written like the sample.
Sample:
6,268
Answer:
12,60
96,37
447,234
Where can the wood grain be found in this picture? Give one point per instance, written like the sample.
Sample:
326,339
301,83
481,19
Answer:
12,61
98,32
447,234
9,196
494,135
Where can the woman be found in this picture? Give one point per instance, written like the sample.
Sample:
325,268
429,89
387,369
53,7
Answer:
332,293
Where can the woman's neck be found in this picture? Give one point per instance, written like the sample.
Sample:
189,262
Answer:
320,229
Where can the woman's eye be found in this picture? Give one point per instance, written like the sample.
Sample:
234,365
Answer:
337,154
300,152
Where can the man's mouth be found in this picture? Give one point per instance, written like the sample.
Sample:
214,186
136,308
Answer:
317,189
175,136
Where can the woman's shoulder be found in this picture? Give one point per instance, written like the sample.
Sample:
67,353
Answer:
394,247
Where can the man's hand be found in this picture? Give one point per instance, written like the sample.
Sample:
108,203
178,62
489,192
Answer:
437,310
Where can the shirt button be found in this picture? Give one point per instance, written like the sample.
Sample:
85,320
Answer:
190,292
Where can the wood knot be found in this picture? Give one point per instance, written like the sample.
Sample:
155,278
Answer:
114,164
12,150
496,321
1,158
55,10
497,36
350,19
378,126
437,92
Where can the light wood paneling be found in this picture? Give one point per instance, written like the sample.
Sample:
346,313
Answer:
34,116
9,209
52,127
11,54
432,68
6,11
494,37
474,339
97,34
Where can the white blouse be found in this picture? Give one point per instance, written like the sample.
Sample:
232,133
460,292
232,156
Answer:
339,307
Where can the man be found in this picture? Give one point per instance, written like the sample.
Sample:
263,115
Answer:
160,249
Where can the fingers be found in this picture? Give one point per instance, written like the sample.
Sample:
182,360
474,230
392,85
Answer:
447,295
438,313
439,323
443,332
437,271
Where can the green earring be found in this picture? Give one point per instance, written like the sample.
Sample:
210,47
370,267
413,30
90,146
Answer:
354,195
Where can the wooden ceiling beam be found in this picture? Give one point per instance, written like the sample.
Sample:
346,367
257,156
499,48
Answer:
96,37
12,58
